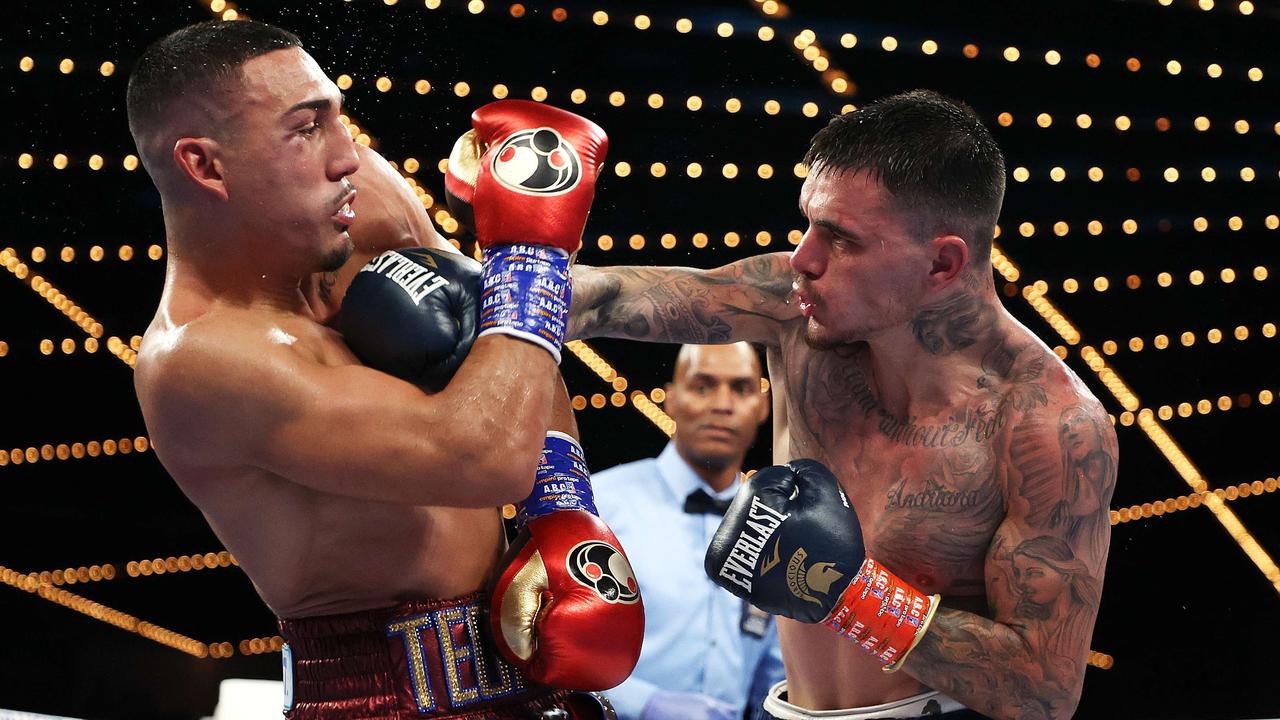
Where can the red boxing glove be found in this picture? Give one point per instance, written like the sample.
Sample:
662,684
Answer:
566,606
535,180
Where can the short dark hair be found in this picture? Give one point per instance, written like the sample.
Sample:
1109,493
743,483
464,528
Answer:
196,59
931,153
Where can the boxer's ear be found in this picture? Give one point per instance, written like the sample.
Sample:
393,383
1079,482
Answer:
197,158
949,257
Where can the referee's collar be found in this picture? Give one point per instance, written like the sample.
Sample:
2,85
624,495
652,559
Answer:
681,479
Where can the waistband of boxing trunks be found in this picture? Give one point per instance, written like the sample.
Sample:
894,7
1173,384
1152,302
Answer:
927,704
421,658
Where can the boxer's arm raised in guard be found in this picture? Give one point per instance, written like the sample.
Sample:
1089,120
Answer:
745,300
350,430
1044,574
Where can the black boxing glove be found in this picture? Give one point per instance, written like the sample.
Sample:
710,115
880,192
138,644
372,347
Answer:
412,313
791,545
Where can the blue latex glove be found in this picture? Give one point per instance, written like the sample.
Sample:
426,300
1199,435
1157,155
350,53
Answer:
687,706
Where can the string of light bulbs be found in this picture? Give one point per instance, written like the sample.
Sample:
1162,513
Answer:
1101,660
1204,406
61,161
96,253
602,368
1195,278
1244,7
74,451
90,345
180,564
383,82
1207,174
66,66
31,583
1050,56
807,38
1157,508
19,269
73,575
655,100
1187,339
1128,226
1124,123
700,240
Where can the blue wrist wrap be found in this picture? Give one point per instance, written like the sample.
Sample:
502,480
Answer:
525,291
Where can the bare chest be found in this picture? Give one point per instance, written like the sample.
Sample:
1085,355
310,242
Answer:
929,491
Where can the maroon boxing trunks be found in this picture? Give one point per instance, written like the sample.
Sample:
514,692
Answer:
419,659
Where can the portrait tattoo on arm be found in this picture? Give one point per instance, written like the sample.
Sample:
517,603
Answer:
1044,571
745,300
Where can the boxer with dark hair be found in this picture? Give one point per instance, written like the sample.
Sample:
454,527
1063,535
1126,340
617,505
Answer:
361,507
936,424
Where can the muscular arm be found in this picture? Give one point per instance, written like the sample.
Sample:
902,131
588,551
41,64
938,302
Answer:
745,300
1044,577
350,430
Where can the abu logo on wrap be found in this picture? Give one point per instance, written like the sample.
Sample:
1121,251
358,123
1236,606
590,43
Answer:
537,162
601,567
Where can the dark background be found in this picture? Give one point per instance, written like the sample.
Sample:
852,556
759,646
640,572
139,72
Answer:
1188,618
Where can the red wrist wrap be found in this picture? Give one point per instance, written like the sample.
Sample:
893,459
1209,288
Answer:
882,614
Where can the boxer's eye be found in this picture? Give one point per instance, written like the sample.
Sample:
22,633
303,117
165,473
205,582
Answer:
311,128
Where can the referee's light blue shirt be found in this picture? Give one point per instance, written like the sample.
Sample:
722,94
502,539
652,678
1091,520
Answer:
693,633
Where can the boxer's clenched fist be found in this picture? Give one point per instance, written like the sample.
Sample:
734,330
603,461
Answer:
792,546
524,177
566,604
527,171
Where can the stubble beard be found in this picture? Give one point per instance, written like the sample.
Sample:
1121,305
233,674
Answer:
336,258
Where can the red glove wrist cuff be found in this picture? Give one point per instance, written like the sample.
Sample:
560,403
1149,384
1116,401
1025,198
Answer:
883,614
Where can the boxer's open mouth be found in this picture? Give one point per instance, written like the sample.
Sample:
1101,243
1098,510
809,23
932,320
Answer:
345,216
806,303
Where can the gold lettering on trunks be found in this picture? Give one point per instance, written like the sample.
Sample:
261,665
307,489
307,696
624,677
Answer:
454,654
497,679
411,630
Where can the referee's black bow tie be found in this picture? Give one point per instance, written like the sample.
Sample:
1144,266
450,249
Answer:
699,501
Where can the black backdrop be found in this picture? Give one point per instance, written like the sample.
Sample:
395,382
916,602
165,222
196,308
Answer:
1187,617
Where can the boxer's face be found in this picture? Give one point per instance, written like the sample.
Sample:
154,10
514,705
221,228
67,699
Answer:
859,271
287,159
717,404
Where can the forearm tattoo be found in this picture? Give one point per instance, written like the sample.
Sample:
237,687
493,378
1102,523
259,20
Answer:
683,305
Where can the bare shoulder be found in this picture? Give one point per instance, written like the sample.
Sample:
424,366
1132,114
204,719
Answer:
197,382
1061,452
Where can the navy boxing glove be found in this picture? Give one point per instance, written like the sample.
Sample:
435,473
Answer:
789,543
792,545
413,313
